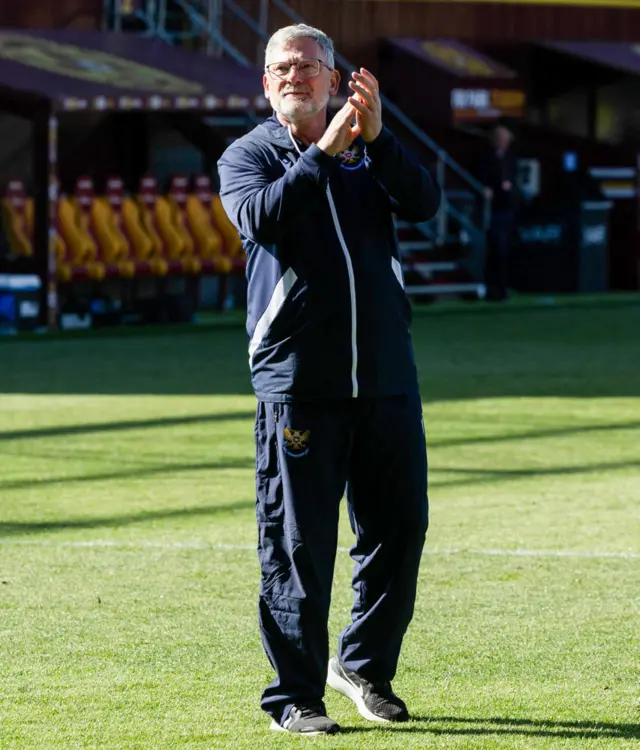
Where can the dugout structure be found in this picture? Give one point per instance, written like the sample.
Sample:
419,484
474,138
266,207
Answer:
46,75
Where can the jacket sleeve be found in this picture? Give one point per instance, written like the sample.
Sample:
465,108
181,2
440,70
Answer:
260,206
415,195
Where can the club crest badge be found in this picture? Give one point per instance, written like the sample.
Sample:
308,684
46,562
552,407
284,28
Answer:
296,442
352,158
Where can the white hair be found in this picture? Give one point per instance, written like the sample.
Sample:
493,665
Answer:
288,34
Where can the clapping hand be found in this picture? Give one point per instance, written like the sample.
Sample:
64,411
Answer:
367,104
341,132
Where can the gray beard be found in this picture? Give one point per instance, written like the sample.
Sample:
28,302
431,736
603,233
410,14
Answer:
296,111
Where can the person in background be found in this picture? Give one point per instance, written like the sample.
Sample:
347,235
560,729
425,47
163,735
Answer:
497,171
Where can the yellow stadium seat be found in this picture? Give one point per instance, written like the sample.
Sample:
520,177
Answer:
102,221
209,240
15,215
142,251
177,200
232,241
18,214
157,216
82,251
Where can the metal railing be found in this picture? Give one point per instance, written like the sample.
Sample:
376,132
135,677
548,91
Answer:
215,36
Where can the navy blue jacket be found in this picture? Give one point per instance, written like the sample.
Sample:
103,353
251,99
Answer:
327,315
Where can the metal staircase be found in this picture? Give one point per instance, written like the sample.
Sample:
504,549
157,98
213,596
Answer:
442,257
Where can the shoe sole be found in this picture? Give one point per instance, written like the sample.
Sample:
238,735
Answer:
275,727
343,686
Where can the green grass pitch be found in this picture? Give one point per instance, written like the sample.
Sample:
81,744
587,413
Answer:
128,572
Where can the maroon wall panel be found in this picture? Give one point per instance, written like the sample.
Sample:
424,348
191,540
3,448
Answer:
50,14
357,25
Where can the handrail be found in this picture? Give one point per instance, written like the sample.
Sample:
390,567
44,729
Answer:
244,16
197,19
465,221
154,27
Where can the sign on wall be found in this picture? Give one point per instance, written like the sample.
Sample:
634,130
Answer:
486,104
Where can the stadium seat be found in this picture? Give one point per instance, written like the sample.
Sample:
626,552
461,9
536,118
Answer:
64,268
116,235
232,242
146,201
174,242
18,215
177,198
146,255
114,250
82,250
17,209
208,239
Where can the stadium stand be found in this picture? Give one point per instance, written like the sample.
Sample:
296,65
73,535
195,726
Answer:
100,221
207,239
146,256
116,235
18,216
158,220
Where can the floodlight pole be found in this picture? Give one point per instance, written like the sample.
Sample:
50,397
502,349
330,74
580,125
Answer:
52,295
46,191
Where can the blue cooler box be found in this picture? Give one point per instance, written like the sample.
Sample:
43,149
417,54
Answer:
19,302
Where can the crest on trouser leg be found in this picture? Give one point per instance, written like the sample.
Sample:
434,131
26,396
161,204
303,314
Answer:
296,442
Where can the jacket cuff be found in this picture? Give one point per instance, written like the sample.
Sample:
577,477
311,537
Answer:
384,140
320,162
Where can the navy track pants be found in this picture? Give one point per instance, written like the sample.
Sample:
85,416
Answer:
306,455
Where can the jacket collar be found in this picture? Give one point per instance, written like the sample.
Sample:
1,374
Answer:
274,132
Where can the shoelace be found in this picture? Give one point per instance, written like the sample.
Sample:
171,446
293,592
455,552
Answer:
311,711
384,689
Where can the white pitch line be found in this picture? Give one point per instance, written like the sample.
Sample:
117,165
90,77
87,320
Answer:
97,543
552,553
127,545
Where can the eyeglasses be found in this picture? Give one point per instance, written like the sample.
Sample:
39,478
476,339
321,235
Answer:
305,68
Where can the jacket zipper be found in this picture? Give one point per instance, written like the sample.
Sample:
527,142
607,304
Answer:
352,283
352,294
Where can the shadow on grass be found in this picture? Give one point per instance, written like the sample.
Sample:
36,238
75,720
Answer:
129,424
194,419
137,473
10,528
578,730
533,434
483,476
470,476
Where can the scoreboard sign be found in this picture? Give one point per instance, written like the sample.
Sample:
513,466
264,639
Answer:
473,105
